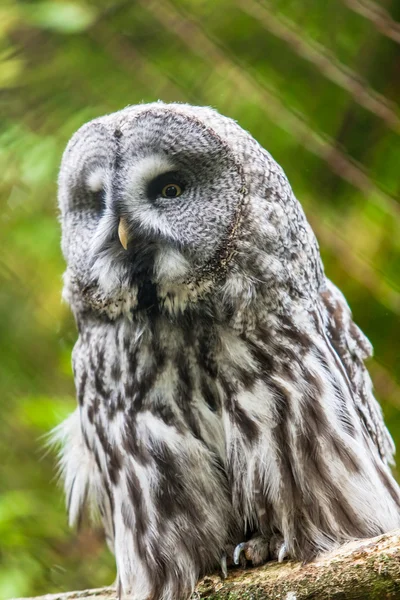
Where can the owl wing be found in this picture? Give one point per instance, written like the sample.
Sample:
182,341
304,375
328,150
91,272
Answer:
352,349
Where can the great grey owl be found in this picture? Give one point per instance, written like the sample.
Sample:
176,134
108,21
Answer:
223,398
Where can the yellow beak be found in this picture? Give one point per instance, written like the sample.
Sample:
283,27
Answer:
123,233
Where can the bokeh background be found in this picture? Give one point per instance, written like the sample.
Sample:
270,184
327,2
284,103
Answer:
316,82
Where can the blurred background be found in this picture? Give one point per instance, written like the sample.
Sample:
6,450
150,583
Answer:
316,83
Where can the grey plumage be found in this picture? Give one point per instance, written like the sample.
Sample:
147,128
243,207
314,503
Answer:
223,396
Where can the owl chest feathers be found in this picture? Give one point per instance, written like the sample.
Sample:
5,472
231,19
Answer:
184,378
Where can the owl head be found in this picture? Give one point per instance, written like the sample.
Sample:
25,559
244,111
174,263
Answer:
166,205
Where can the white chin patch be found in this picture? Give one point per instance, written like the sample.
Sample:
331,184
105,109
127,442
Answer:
105,274
170,266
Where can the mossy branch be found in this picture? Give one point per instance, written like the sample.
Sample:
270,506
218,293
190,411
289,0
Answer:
362,570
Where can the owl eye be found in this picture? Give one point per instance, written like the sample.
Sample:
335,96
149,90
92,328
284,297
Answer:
167,185
171,190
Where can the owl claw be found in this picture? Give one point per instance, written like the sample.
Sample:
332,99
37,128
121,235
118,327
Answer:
283,553
224,567
259,549
237,552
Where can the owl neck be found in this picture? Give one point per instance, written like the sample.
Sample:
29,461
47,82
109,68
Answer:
240,301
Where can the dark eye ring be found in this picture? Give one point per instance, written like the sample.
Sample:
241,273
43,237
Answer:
171,190
99,197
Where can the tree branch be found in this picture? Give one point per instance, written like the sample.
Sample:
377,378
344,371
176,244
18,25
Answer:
362,570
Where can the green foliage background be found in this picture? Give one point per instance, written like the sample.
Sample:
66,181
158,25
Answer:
315,82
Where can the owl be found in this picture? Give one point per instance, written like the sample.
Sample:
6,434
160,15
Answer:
224,409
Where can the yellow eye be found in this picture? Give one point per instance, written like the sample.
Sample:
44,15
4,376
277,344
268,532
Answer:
171,190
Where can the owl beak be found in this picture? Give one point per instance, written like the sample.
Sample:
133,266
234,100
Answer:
123,232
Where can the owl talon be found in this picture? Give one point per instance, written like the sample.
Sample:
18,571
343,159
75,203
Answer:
224,567
283,553
237,552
